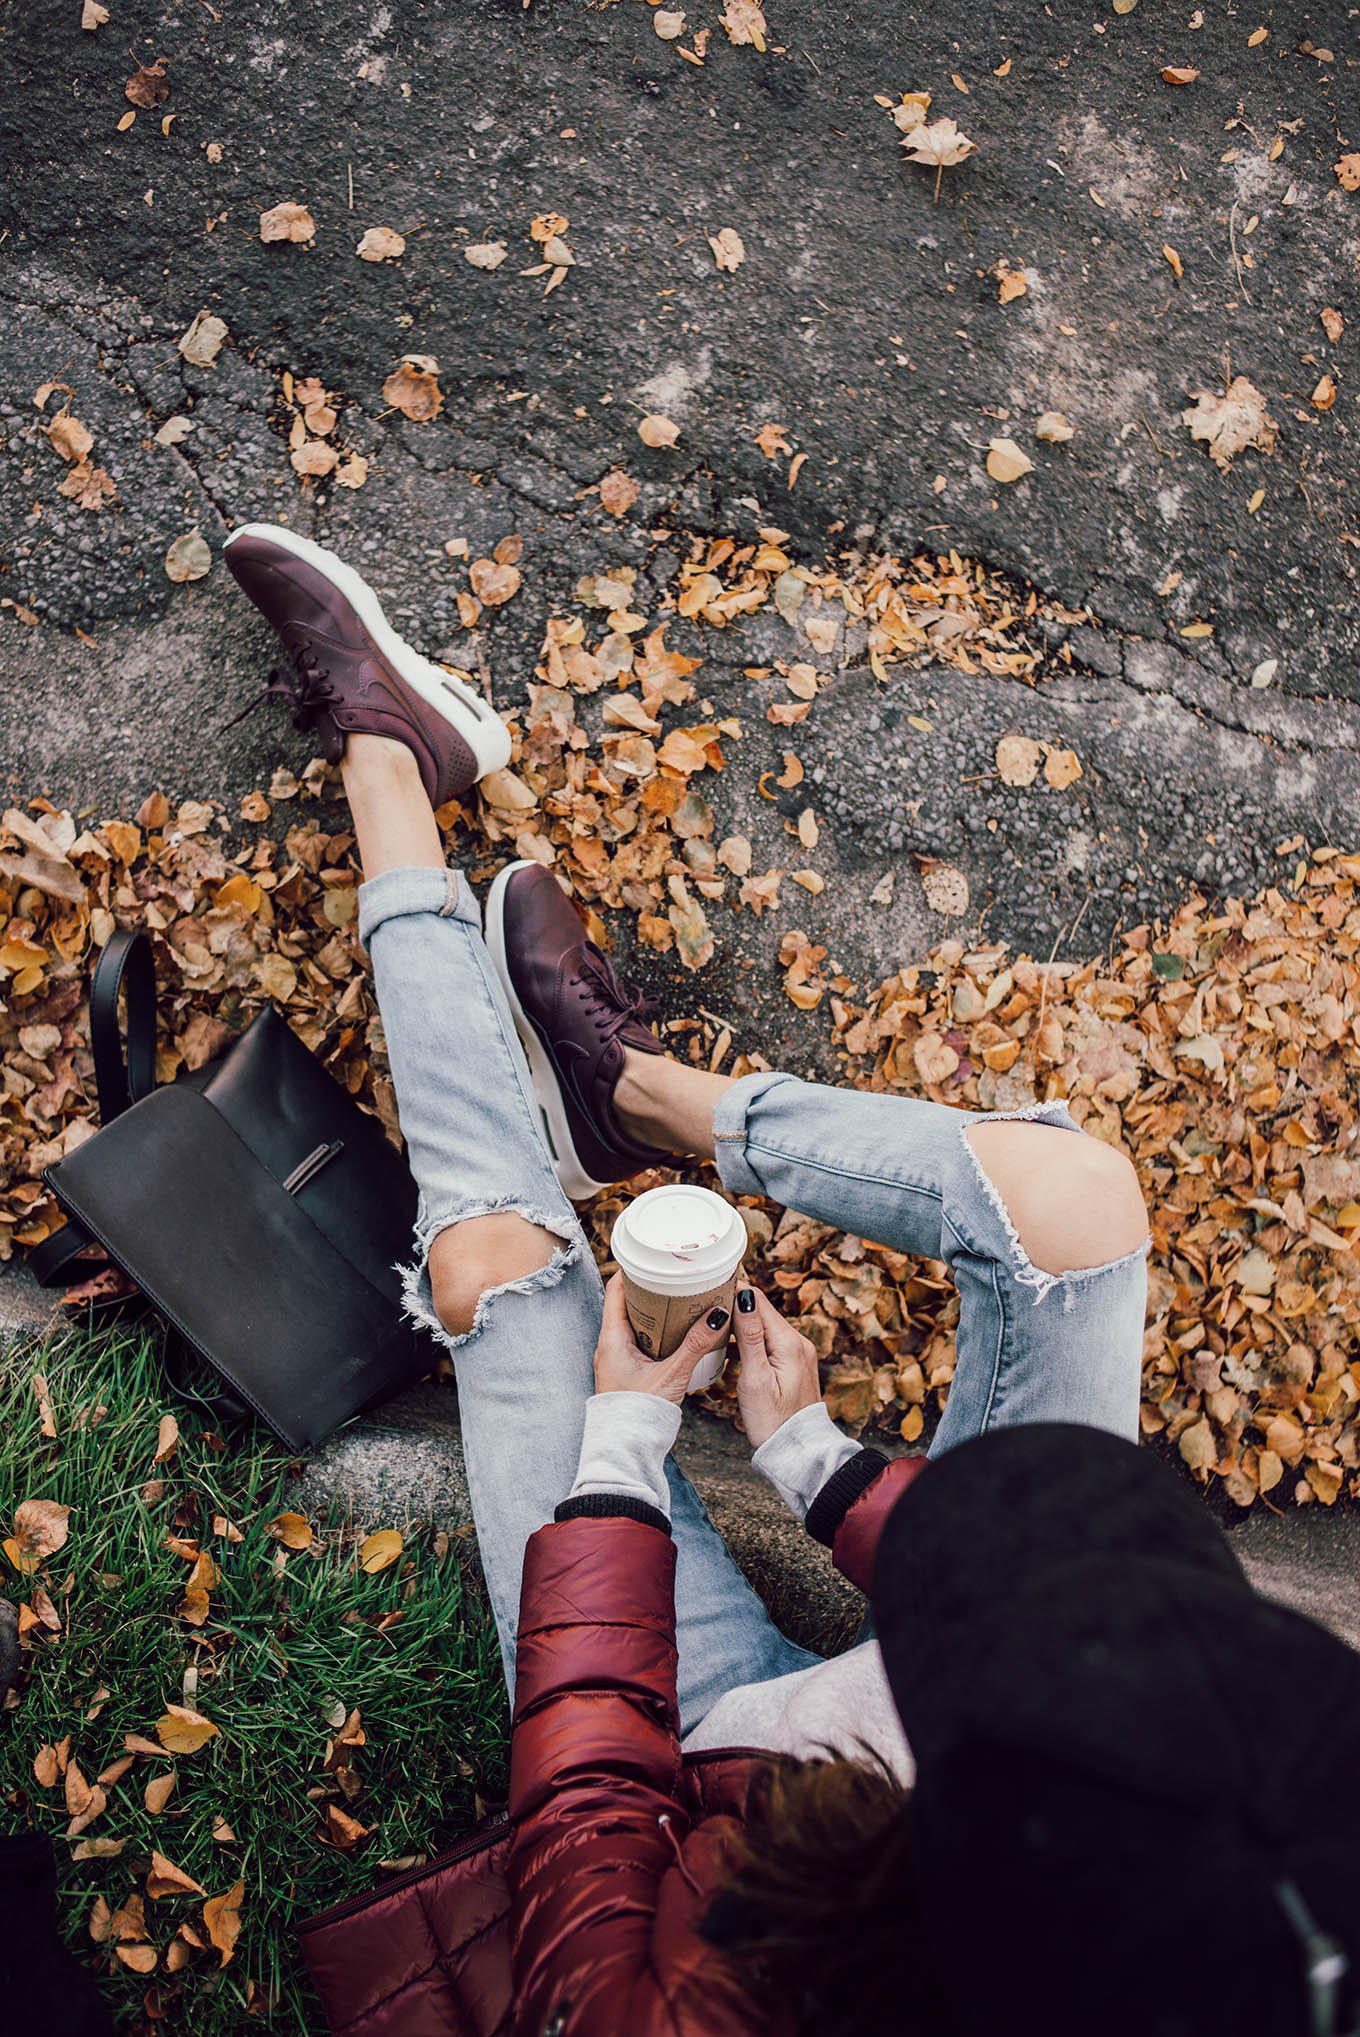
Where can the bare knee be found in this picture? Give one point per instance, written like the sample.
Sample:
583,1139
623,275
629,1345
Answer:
469,1259
1073,1201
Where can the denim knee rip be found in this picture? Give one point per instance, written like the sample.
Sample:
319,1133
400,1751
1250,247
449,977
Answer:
1026,1272
418,1296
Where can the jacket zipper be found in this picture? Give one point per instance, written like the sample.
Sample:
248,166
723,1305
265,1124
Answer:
703,1754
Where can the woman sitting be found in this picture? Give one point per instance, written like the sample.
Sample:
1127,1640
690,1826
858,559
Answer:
711,1823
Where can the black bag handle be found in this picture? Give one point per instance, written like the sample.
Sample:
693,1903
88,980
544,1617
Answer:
178,1360
126,958
56,1262
120,1081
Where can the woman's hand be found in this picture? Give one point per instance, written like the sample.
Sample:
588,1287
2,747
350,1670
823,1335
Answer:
620,1367
778,1367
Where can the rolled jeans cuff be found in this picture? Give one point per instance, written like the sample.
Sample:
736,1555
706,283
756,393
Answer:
415,888
729,1131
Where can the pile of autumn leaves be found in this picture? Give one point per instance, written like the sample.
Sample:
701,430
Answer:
1222,1055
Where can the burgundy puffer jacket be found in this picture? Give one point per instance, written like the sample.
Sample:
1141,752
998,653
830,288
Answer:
577,1916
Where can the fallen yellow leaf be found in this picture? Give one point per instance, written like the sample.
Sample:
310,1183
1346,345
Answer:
22,1561
40,1526
729,251
1006,462
380,1549
165,1879
655,430
194,1606
222,1916
183,1731
158,1791
1017,760
413,390
287,221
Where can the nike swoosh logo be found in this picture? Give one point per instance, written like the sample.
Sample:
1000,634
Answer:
562,1053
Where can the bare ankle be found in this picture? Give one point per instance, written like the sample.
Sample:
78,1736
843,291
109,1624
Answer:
636,1103
364,753
392,817
662,1103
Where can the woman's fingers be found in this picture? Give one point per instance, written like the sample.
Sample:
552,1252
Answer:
770,1318
616,1332
672,1375
759,1371
781,1340
750,1327
615,1314
703,1336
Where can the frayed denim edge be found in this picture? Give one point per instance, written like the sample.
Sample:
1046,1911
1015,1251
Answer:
1026,1272
417,1302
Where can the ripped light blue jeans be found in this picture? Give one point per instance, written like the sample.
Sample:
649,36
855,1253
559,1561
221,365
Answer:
1030,1346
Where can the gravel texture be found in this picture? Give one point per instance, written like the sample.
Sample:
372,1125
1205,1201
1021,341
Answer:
863,319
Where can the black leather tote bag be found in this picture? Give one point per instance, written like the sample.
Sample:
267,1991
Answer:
253,1203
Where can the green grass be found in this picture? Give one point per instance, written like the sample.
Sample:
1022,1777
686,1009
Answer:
281,1648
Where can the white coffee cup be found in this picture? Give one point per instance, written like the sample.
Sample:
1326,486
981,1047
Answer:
679,1250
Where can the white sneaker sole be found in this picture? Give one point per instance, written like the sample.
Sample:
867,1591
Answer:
575,1182
476,721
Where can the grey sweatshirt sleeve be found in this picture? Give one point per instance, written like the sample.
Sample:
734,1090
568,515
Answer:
627,1439
802,1454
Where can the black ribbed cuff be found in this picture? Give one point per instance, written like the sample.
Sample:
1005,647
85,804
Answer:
840,1492
603,1506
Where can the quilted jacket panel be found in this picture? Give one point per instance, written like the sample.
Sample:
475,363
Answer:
578,1917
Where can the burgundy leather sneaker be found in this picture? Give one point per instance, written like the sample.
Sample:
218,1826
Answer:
575,1019
348,671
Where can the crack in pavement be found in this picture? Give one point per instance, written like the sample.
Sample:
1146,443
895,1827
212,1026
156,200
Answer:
1192,682
1285,720
1067,689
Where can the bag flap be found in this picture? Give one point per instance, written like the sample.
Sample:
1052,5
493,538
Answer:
237,1265
283,1104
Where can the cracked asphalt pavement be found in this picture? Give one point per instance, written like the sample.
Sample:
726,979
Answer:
865,320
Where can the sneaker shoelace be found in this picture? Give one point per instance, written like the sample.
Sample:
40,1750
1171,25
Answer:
303,682
612,1005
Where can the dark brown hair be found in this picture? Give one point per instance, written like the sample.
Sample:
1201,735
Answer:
819,1904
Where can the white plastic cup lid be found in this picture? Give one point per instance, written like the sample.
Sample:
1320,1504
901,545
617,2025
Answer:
677,1237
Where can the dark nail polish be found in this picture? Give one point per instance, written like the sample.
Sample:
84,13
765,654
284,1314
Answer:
746,1300
716,1318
